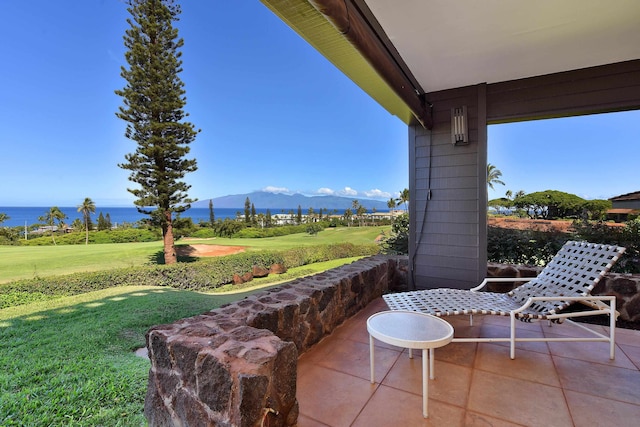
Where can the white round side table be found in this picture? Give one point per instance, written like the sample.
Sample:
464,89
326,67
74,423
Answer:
410,329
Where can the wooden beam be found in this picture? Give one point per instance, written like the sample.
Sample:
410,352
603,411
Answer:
349,20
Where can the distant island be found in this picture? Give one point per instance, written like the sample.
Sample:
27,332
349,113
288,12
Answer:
266,200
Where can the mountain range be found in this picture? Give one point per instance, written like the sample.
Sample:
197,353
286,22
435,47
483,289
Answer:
266,200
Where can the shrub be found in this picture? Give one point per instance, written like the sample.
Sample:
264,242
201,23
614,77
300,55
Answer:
398,241
532,247
204,233
627,236
528,247
283,230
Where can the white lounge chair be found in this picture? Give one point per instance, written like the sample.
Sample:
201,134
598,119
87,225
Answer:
568,278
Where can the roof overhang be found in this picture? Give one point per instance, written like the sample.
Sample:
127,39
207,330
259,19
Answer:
400,51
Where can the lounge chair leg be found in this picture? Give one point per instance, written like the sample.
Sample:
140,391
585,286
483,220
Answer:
612,329
512,342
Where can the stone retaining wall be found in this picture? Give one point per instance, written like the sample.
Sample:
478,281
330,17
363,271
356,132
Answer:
236,365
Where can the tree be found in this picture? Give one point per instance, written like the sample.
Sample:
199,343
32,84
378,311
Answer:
501,203
107,219
86,209
268,219
314,229
597,209
392,203
348,214
4,217
54,214
404,198
299,216
154,98
493,175
397,242
261,219
77,225
550,204
253,215
102,223
212,216
247,210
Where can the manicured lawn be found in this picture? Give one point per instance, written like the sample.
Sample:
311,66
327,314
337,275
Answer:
25,262
71,361
355,235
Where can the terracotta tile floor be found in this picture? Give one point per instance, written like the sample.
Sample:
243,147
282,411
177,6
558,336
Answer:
548,384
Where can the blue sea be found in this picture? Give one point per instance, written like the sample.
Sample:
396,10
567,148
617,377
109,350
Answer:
21,216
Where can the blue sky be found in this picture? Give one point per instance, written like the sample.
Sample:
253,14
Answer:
275,115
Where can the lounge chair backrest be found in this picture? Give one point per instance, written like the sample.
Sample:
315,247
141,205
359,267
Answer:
573,271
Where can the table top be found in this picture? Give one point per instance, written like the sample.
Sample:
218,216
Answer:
410,329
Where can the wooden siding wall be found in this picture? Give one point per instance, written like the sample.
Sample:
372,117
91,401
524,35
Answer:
448,240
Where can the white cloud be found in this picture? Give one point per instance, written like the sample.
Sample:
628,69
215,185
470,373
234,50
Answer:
326,191
348,191
377,194
272,189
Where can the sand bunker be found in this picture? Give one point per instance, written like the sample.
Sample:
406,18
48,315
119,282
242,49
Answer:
208,250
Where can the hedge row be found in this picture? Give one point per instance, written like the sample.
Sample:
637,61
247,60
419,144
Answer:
532,247
202,274
128,235
283,230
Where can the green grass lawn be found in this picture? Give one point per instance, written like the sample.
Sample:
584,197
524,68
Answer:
71,361
25,262
355,235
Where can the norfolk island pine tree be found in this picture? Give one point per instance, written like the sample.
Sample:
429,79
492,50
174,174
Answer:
153,99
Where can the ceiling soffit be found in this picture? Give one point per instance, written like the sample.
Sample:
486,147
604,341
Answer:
339,32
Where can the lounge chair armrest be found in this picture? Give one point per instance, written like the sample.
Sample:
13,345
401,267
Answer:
584,299
488,280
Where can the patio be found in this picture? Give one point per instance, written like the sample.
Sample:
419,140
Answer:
550,384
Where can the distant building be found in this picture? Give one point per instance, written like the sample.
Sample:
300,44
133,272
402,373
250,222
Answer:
623,206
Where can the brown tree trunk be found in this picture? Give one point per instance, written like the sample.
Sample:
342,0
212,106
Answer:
170,256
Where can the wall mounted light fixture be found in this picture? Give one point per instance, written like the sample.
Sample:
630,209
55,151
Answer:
459,126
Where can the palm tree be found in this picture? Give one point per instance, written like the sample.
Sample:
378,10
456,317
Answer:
391,204
361,211
493,175
404,198
87,208
50,218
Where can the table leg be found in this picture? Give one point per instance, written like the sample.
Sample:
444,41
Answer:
432,370
425,384
371,360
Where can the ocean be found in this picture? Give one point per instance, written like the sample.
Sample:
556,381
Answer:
19,216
